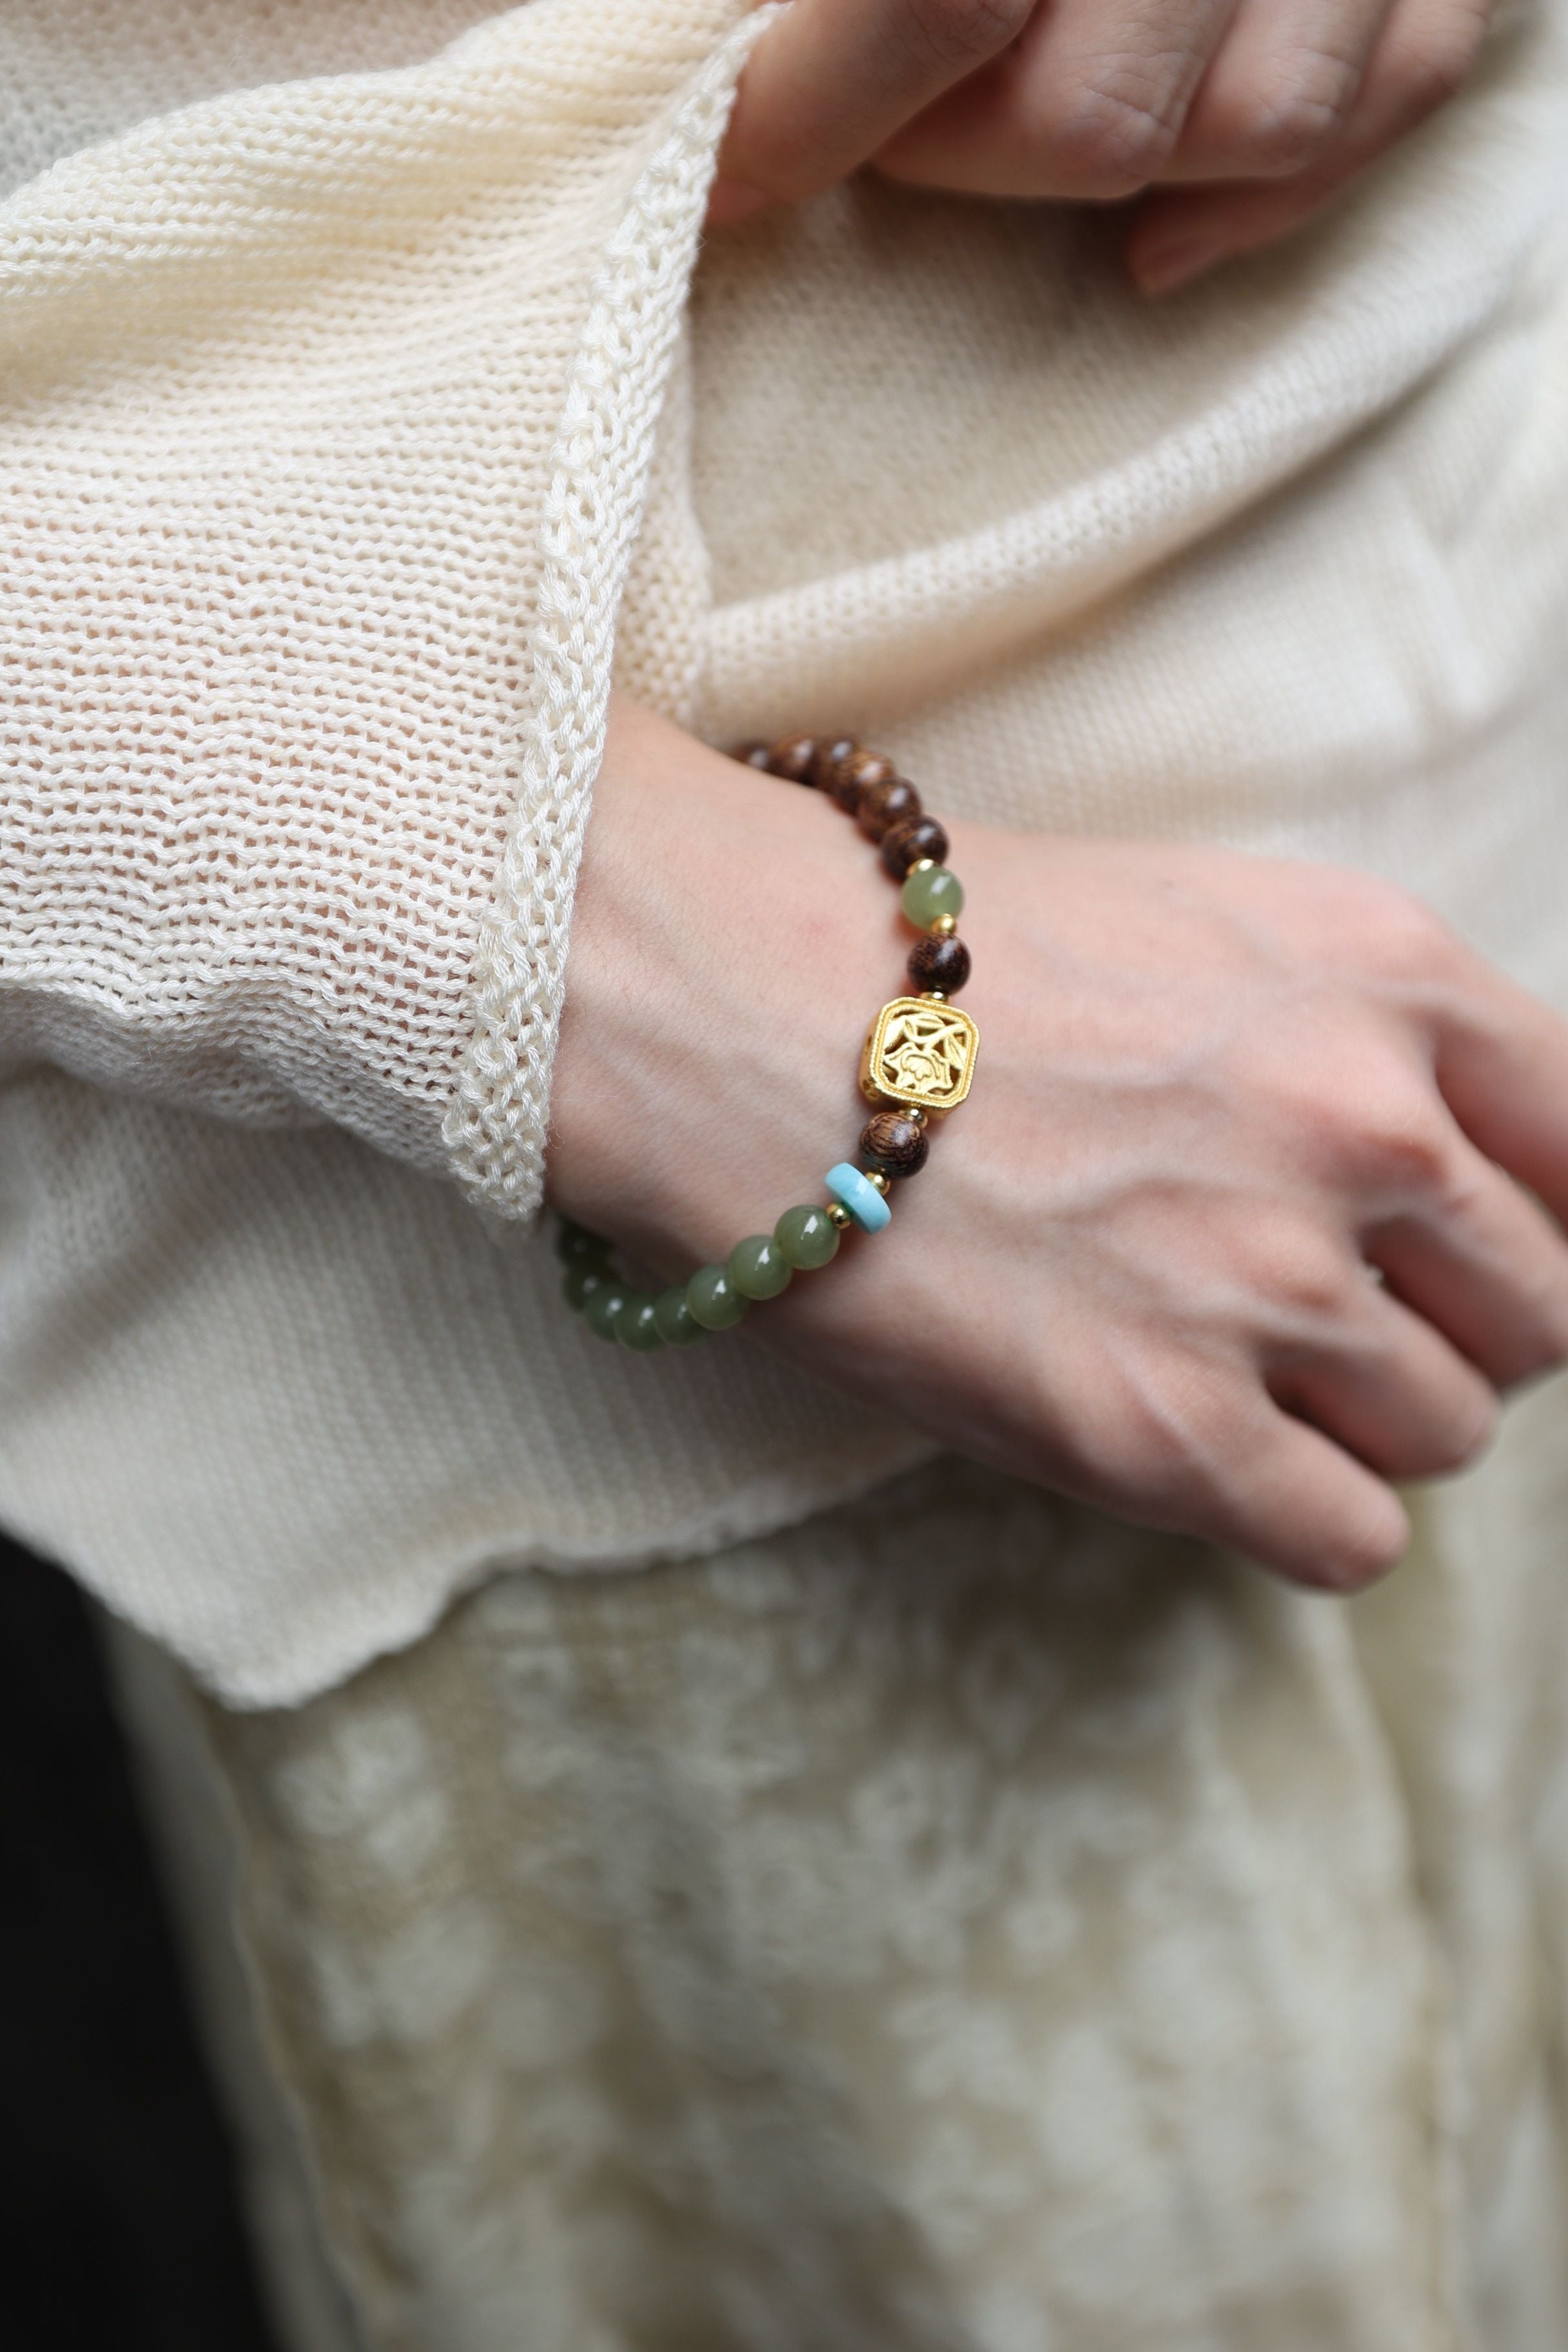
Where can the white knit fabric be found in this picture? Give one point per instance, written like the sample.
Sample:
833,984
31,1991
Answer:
495,1130
330,410
326,408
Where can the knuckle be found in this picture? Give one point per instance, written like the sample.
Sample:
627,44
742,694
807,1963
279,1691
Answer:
1401,937
1292,123
1110,136
1300,1269
1159,1449
1399,1145
1369,1120
957,32
1433,66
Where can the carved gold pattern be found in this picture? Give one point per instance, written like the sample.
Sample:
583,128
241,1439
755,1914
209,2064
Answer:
920,1053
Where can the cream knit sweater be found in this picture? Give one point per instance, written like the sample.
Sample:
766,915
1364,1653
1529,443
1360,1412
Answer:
354,382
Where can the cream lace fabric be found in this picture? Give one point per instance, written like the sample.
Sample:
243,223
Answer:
955,1926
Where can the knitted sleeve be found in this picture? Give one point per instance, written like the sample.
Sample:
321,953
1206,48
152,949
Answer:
326,412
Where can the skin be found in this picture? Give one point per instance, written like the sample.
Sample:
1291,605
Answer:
1231,119
1233,1231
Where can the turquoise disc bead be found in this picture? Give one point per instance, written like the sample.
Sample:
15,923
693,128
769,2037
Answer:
713,1298
859,1196
602,1306
807,1237
758,1268
677,1326
937,891
636,1326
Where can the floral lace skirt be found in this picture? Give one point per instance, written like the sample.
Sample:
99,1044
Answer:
959,1922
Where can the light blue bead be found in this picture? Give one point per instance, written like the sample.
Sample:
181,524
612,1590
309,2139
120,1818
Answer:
859,1196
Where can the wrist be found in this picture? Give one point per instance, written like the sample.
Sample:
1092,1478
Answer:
732,937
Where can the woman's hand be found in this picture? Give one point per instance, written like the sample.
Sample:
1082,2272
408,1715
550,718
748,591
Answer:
1221,1239
1268,105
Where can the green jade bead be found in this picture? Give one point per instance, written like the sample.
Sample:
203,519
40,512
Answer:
758,1268
602,1307
936,891
807,1238
582,1279
636,1323
713,1299
677,1326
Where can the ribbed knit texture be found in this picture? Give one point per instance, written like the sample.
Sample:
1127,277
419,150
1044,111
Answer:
326,414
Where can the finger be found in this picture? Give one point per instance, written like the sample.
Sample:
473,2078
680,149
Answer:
1299,1504
1089,102
1487,1269
1389,1389
1503,1068
1422,57
833,80
1280,90
1204,1450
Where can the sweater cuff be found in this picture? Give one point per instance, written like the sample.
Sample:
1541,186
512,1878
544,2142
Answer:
496,1128
326,417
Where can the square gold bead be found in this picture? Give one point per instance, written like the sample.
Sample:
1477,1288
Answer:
921,1053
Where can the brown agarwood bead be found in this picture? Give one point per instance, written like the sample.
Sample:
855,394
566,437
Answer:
857,775
892,1142
830,750
790,758
882,806
939,963
906,845
751,755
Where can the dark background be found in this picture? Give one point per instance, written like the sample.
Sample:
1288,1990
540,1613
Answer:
119,2227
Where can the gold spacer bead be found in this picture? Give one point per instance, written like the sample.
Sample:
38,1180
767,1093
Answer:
837,1214
945,927
875,1176
922,865
934,995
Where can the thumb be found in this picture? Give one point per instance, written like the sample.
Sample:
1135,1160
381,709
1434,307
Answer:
832,80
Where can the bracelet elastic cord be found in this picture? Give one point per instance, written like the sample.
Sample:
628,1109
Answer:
917,1065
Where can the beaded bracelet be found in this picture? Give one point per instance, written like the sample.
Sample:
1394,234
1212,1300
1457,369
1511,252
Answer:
917,1065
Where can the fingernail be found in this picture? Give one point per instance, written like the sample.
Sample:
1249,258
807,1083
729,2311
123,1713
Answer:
1163,267
734,200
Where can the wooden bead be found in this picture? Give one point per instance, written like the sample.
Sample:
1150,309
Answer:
893,1144
857,775
792,758
942,963
751,755
830,751
906,845
882,806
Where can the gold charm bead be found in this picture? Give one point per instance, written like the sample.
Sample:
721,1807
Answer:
920,1053
917,1065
